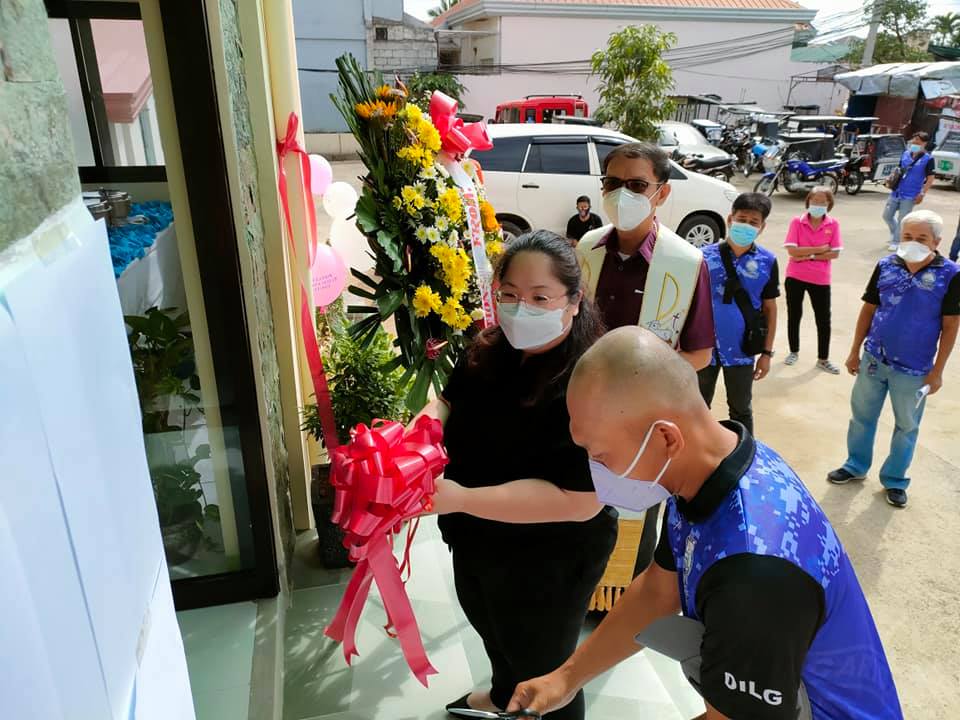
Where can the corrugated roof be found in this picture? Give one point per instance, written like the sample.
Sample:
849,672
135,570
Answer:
709,4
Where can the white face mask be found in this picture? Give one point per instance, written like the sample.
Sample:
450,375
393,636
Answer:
913,252
625,492
627,210
527,328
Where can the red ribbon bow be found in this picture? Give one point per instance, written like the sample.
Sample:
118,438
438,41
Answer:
456,136
383,477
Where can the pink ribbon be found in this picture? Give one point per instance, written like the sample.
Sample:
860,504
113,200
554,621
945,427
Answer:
456,136
381,478
321,390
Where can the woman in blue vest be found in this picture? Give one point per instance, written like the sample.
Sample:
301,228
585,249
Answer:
916,177
908,327
775,624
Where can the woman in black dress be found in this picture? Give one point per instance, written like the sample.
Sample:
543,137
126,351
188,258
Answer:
529,539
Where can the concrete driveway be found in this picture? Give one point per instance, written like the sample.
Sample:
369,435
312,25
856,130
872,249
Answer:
908,561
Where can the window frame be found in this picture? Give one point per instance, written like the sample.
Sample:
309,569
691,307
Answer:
79,13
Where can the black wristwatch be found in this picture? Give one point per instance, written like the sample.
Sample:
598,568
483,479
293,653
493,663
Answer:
768,353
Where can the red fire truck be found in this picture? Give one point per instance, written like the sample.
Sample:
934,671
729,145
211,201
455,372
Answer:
541,109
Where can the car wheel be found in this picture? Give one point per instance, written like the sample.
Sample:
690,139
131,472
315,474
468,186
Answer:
700,230
511,231
956,183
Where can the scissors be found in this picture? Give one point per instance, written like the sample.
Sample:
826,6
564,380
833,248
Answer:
469,712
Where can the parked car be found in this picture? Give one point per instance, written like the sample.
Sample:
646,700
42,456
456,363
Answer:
687,140
946,159
534,174
541,109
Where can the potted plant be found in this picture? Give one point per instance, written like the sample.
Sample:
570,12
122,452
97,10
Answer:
365,383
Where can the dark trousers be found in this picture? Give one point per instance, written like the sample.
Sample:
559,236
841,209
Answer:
820,299
955,247
528,605
738,380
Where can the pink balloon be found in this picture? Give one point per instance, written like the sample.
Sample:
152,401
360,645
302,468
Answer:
329,275
321,175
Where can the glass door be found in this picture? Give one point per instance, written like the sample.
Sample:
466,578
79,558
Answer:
178,281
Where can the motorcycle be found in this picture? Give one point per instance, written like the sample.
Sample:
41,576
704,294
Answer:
719,167
853,174
798,174
738,143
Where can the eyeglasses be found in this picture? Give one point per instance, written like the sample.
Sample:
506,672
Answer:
634,185
538,300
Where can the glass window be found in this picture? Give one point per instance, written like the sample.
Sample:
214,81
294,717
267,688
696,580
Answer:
562,158
530,115
688,135
666,138
506,155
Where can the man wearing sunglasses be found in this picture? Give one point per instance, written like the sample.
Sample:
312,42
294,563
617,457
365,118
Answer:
637,270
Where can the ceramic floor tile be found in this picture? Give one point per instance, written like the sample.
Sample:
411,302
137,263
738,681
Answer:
218,642
305,568
681,692
231,704
633,679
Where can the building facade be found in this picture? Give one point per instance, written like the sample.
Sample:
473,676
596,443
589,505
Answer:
738,50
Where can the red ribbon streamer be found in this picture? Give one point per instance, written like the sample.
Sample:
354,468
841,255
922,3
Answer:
383,477
321,390
456,136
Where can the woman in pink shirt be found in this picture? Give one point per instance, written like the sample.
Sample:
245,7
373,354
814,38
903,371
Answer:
813,242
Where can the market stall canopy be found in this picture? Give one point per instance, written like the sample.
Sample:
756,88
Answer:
904,79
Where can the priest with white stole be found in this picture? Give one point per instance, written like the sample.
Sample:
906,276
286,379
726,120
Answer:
639,272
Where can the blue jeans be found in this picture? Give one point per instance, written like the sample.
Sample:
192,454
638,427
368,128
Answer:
874,382
894,206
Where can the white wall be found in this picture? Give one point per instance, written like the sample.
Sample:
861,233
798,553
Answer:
762,77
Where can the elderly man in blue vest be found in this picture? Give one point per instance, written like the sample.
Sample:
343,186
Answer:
774,625
916,177
908,327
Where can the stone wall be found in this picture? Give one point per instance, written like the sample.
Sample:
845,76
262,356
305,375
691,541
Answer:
38,169
262,329
407,47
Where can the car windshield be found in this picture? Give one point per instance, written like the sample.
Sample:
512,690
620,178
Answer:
951,143
686,134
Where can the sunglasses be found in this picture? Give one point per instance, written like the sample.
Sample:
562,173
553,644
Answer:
634,185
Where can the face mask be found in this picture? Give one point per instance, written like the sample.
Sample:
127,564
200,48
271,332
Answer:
817,211
915,148
528,328
743,234
913,252
627,493
625,209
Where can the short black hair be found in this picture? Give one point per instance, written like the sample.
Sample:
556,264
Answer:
925,136
583,198
648,151
753,201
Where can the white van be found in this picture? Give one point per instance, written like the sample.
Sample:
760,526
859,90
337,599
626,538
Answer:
535,172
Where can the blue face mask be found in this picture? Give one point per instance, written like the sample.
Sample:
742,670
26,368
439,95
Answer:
743,234
915,148
817,211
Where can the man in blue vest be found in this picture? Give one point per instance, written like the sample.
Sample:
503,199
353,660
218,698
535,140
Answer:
916,177
774,624
908,325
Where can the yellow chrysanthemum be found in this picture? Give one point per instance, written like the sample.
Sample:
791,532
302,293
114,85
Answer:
428,135
413,153
412,200
455,268
453,314
397,202
412,113
494,248
451,205
376,110
425,301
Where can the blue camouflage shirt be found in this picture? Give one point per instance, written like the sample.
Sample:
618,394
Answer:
760,277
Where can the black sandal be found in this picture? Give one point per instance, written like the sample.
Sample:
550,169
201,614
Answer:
460,704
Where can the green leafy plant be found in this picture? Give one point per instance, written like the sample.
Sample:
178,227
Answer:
161,347
365,382
946,29
181,503
441,8
422,85
635,80
902,34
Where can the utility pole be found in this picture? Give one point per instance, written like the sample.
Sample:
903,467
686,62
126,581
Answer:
871,42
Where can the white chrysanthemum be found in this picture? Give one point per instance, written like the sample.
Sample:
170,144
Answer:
420,187
443,171
421,234
453,239
443,224
433,235
429,173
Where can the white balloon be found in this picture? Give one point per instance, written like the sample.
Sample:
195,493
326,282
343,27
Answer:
339,200
351,244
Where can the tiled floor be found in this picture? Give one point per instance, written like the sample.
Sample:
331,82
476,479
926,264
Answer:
218,642
379,686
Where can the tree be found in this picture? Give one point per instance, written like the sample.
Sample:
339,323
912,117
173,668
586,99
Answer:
634,80
441,8
902,24
946,29
421,87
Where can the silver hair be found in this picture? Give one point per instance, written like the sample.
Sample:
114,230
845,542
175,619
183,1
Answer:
925,216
